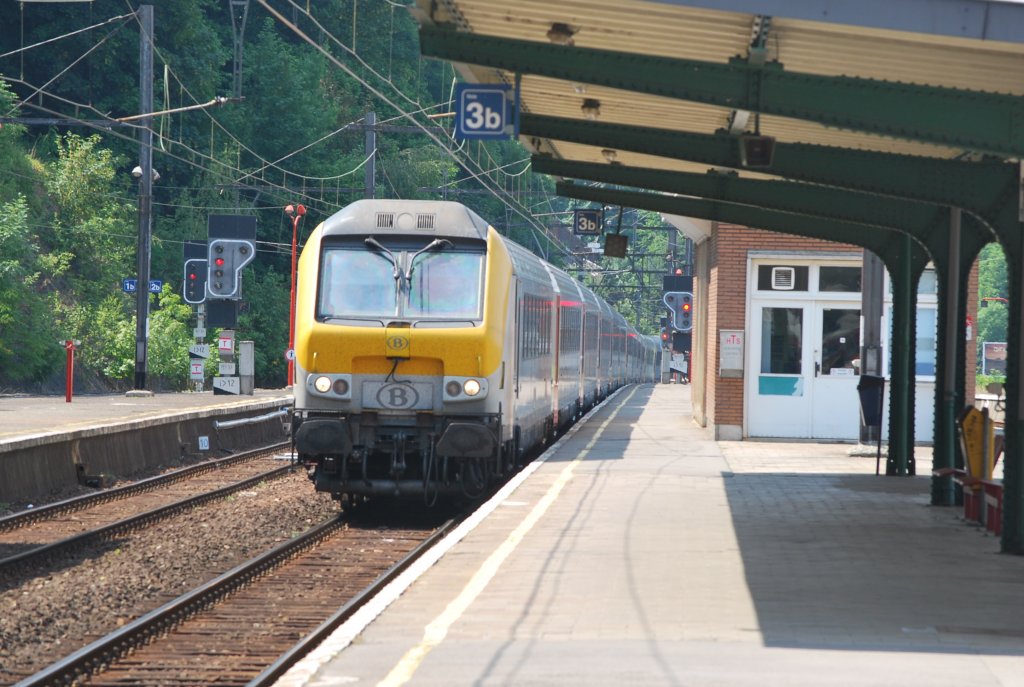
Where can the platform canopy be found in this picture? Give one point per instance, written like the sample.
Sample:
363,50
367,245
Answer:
913,63
910,112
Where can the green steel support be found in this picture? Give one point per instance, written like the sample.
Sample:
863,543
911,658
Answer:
904,258
900,414
887,244
925,222
988,122
981,188
987,189
1013,454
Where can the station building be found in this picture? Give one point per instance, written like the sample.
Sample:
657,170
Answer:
777,336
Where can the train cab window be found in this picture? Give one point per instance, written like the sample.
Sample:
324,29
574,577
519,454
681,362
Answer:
446,284
356,283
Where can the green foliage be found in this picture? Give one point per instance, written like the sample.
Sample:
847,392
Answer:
69,207
28,342
170,334
993,316
268,312
88,240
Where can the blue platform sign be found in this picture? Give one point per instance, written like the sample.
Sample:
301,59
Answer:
587,222
131,285
482,111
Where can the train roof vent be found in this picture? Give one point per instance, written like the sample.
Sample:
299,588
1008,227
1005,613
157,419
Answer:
385,220
425,222
783,278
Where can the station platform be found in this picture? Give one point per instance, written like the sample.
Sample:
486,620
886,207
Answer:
639,551
23,416
51,449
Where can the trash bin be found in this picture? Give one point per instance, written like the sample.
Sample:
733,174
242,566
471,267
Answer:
871,390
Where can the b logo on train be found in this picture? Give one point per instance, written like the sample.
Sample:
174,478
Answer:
432,354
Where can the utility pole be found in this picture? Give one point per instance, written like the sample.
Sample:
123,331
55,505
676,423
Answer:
371,147
145,14
239,12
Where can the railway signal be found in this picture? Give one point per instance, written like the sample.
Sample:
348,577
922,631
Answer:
680,303
227,257
194,280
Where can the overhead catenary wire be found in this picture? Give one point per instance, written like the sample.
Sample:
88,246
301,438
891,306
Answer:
498,192
211,164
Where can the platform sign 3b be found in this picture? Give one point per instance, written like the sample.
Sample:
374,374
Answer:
482,111
587,222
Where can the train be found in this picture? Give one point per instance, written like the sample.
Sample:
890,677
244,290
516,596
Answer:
433,354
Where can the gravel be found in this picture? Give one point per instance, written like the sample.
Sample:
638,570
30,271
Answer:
78,599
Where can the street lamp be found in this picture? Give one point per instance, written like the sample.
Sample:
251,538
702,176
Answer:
295,212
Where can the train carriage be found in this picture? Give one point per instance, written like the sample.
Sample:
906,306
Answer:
432,353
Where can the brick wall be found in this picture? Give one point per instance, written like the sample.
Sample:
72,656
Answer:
728,248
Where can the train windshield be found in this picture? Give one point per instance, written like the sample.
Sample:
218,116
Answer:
445,284
357,283
360,283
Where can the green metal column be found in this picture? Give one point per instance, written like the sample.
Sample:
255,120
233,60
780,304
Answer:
950,355
900,413
1013,470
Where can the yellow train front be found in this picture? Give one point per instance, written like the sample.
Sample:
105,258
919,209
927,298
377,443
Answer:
431,352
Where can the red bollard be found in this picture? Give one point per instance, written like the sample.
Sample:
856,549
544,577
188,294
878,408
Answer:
69,346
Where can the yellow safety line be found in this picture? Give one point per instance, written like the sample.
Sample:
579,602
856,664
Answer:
436,631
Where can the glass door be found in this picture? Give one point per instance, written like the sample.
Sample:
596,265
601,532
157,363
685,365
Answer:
836,403
779,394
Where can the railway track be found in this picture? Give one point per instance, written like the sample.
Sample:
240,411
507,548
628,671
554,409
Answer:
267,612
27,538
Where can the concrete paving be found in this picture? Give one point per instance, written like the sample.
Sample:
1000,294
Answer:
642,552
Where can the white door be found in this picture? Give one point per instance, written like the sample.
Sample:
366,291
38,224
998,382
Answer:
779,370
835,404
802,378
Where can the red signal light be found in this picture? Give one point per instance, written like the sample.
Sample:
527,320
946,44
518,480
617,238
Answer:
679,271
219,262
192,276
686,306
664,336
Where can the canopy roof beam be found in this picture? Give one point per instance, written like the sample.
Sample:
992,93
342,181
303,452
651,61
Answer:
971,120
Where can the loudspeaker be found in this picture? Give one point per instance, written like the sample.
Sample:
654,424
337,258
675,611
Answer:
756,151
615,245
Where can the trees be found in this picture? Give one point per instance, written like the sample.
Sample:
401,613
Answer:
68,205
992,283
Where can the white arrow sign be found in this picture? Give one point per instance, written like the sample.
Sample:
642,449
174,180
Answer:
226,385
199,350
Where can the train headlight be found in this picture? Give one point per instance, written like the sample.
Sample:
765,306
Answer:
458,389
333,386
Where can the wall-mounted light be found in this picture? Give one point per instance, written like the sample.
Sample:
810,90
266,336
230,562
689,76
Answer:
591,108
560,34
609,154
